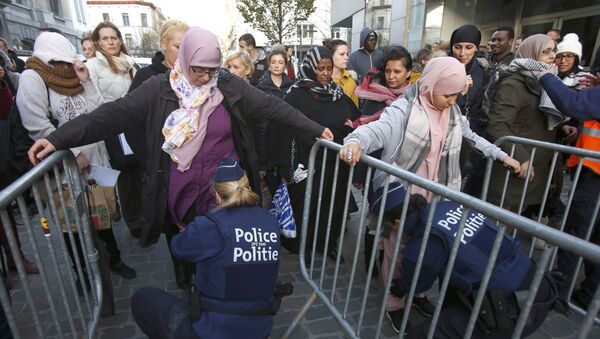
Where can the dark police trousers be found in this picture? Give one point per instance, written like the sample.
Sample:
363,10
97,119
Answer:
578,223
455,316
161,315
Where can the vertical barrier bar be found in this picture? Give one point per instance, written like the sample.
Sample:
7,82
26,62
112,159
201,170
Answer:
373,250
448,273
361,228
329,217
55,228
4,295
342,231
318,212
14,250
487,274
388,281
544,198
91,253
535,284
68,222
41,267
54,261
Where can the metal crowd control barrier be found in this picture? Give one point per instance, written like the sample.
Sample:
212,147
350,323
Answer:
557,150
336,292
64,299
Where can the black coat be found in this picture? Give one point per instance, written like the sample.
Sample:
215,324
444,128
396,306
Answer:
157,67
471,104
267,136
118,159
149,106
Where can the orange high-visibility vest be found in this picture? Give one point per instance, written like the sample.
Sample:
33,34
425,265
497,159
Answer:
589,139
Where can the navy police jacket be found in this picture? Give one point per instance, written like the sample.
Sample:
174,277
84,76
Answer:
476,244
236,251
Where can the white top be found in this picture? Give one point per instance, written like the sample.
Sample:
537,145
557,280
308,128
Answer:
34,107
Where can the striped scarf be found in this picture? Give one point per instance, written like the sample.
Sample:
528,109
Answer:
417,141
531,68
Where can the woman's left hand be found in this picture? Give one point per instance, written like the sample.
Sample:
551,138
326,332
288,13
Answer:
468,84
327,135
82,72
512,164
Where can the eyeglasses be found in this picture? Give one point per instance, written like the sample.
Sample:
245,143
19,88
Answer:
565,56
201,71
549,50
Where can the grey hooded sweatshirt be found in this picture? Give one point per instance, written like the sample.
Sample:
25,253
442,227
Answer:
362,61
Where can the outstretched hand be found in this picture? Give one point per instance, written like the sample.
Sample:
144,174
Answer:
39,150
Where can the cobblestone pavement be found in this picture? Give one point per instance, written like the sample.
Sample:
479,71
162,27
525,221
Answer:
154,269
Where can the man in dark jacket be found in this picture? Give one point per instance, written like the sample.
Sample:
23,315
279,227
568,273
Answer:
362,60
148,106
259,57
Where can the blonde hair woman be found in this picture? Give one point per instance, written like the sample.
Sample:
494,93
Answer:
235,249
171,34
240,64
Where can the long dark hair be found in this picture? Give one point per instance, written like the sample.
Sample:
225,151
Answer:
96,39
394,52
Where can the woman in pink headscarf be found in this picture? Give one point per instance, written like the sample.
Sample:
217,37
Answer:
421,132
191,118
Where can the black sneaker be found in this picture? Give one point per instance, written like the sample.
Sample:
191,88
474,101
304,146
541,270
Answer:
424,306
580,299
123,270
396,320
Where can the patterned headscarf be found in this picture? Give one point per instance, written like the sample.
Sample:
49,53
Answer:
329,92
185,128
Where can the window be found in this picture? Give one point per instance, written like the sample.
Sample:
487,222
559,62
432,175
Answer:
55,7
336,35
129,40
105,17
305,31
380,20
144,20
125,19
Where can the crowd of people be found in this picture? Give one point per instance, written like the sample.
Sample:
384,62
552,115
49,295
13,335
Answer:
211,139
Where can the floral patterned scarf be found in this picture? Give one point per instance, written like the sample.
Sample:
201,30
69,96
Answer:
185,128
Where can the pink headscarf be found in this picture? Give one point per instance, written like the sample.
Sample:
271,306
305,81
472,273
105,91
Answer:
442,76
199,47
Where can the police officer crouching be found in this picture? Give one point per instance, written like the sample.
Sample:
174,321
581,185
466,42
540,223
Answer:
236,251
508,284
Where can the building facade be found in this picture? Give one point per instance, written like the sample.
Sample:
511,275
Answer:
139,22
22,20
413,23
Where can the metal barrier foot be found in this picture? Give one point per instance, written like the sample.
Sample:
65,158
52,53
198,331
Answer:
300,315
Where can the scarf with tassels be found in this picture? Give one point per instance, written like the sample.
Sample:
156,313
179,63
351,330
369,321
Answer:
531,68
370,89
61,80
185,128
